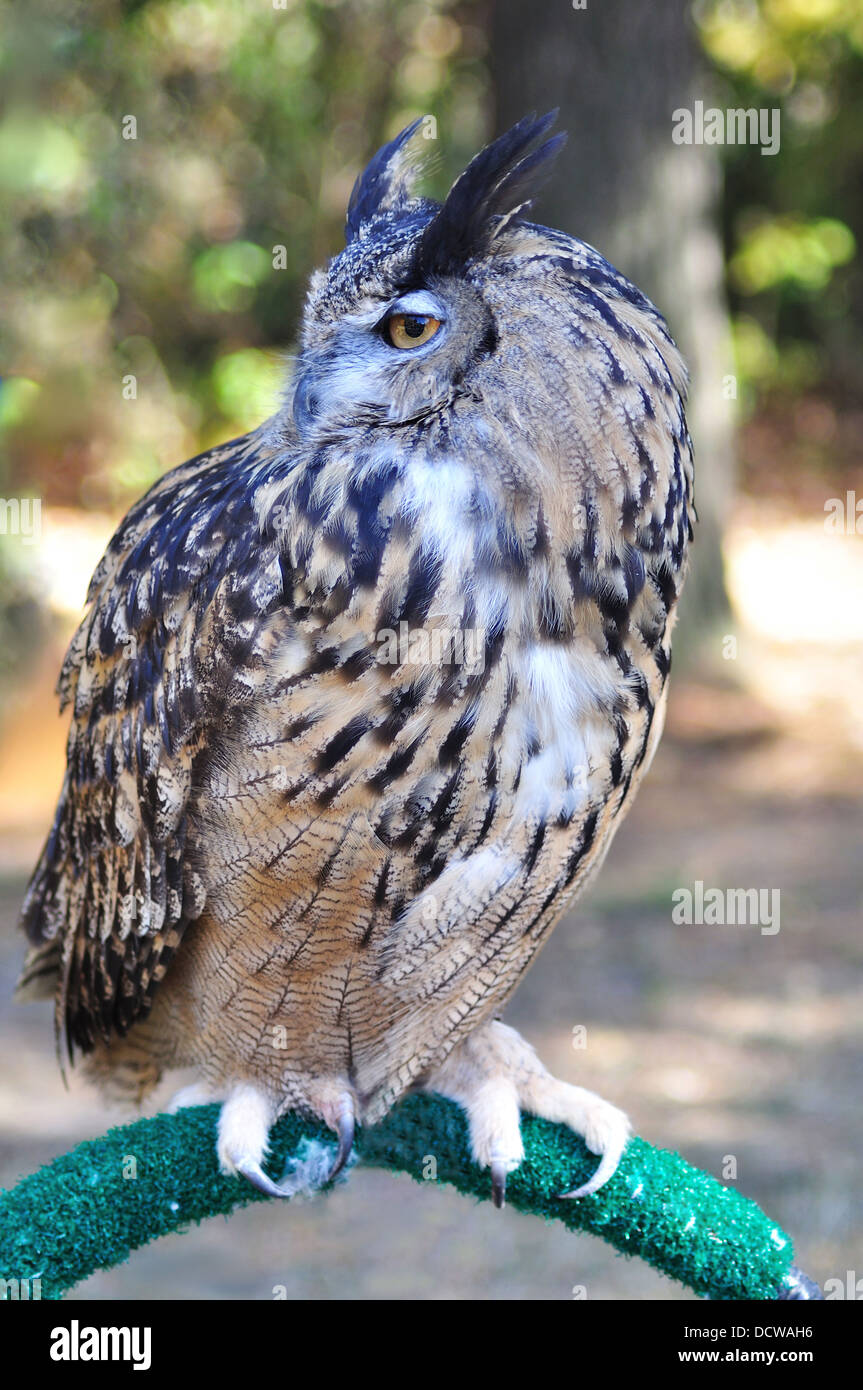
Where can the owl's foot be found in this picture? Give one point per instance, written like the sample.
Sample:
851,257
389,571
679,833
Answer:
494,1075
244,1126
197,1093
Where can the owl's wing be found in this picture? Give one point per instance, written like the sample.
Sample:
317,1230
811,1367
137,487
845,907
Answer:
167,639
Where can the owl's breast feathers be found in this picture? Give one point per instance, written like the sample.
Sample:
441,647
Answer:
378,709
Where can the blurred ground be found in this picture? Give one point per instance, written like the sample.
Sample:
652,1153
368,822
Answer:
719,1040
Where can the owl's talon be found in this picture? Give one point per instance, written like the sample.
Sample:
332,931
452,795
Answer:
346,1125
498,1182
254,1174
607,1168
308,1174
244,1126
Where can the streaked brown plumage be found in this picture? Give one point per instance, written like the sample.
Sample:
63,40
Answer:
297,846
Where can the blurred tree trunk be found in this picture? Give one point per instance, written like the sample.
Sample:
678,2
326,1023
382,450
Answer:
618,69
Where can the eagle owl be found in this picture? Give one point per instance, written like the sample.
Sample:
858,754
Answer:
360,698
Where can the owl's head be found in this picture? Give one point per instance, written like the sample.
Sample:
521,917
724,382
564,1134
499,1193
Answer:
461,326
398,325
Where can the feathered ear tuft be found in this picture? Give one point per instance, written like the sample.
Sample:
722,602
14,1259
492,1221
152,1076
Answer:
385,183
499,183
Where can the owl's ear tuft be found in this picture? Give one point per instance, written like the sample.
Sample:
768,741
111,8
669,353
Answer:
386,182
499,184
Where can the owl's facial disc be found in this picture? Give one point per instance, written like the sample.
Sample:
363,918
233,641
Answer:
387,361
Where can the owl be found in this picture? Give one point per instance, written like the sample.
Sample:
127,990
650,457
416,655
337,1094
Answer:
360,698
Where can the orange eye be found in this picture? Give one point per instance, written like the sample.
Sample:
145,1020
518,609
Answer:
411,330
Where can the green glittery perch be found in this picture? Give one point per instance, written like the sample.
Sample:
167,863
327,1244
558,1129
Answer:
84,1211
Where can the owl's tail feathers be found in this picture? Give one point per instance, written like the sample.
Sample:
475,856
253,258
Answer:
41,971
244,1125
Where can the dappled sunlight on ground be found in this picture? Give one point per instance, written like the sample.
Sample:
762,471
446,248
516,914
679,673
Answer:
798,590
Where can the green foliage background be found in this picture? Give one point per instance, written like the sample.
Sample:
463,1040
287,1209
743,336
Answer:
792,221
153,256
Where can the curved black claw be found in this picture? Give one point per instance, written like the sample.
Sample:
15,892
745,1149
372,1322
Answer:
607,1168
346,1127
498,1183
254,1174
310,1170
798,1285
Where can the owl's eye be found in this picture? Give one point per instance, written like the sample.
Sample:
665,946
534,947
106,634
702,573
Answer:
410,330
